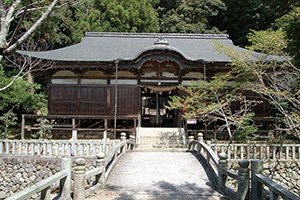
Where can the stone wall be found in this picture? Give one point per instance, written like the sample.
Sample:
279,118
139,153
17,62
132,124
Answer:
285,173
18,173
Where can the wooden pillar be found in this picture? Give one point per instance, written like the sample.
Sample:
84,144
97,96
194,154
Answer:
23,127
157,108
105,124
74,131
134,126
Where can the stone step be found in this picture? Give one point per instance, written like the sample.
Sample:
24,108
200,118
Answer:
160,149
158,131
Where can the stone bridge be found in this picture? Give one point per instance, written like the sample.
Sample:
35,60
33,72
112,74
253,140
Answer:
158,175
194,173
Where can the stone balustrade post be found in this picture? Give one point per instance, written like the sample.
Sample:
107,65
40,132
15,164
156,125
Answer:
79,179
132,139
243,180
190,140
256,186
200,140
100,162
208,142
65,184
123,136
223,165
200,137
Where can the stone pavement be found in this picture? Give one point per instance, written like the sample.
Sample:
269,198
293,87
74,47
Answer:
158,175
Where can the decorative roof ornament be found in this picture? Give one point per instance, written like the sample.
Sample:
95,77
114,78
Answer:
161,41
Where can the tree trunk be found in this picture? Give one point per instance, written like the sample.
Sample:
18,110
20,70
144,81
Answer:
26,35
29,77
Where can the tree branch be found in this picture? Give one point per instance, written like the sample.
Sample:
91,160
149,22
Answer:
6,20
14,46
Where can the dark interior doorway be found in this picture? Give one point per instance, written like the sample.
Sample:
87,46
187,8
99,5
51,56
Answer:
154,111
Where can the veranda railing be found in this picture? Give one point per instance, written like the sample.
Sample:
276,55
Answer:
258,151
56,148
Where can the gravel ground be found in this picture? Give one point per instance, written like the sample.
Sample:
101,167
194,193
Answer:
158,175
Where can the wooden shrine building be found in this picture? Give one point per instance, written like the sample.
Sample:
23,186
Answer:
139,71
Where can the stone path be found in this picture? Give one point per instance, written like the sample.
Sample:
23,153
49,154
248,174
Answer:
158,175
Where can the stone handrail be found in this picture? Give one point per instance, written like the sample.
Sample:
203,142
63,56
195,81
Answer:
258,181
113,157
259,151
218,166
64,176
55,148
104,165
231,174
204,150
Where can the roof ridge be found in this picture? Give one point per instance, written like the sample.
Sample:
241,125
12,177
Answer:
156,35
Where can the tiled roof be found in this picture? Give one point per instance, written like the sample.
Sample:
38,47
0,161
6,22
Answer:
108,47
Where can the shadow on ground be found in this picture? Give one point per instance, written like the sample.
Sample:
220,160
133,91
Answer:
165,191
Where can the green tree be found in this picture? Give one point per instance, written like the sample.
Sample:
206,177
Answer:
216,101
191,16
164,6
11,11
274,79
243,16
104,16
282,38
293,36
8,121
20,97
268,41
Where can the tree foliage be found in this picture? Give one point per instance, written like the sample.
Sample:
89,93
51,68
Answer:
217,100
243,16
190,16
268,41
282,38
265,25
13,14
276,80
72,21
20,97
293,36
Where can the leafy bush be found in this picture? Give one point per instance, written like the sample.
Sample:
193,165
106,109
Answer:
19,98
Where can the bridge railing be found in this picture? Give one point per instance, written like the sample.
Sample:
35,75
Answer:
44,186
218,166
206,152
104,165
98,175
258,181
56,148
220,172
259,151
